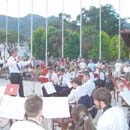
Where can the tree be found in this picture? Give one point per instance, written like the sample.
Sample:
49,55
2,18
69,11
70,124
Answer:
105,50
71,45
39,41
89,39
109,18
54,41
114,46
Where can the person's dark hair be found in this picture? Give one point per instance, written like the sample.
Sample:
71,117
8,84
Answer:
83,120
62,70
77,80
99,83
102,94
89,69
86,73
33,105
12,51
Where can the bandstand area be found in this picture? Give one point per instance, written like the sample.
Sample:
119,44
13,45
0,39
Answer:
64,65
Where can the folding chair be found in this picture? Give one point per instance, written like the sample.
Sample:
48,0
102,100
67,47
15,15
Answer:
116,88
61,122
43,79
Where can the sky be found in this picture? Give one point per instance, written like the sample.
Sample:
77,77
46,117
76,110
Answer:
20,8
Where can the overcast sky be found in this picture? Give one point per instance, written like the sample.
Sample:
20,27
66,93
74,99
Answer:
71,7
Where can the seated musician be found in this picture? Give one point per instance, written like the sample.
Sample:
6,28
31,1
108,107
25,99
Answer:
76,92
63,87
52,77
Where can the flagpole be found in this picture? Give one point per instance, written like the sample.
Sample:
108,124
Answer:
46,52
18,23
32,29
119,36
6,27
100,31
62,28
80,28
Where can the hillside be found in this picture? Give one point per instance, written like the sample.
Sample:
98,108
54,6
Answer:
25,23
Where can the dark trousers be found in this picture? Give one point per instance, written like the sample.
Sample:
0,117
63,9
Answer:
16,78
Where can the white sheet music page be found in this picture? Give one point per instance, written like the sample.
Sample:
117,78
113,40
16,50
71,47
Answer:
49,87
2,90
12,107
55,107
125,94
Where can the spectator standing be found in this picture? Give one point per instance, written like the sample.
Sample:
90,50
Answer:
118,68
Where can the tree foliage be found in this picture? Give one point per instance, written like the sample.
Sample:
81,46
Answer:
39,41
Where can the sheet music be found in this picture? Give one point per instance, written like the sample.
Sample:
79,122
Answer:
55,107
125,94
12,107
49,87
2,90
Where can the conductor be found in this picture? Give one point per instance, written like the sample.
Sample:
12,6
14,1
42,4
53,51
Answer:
15,64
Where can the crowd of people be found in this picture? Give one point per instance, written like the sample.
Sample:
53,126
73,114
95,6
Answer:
86,83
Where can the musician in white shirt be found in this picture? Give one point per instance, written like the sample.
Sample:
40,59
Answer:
88,85
76,92
33,112
52,75
113,118
64,85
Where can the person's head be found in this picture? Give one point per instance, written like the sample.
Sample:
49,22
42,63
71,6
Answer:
62,71
13,52
99,83
82,118
33,107
102,97
86,76
50,69
76,82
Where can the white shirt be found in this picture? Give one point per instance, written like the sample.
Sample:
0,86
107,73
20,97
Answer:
88,87
91,66
91,76
25,125
82,65
75,95
126,69
118,67
1,61
112,119
12,64
53,77
102,76
64,80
